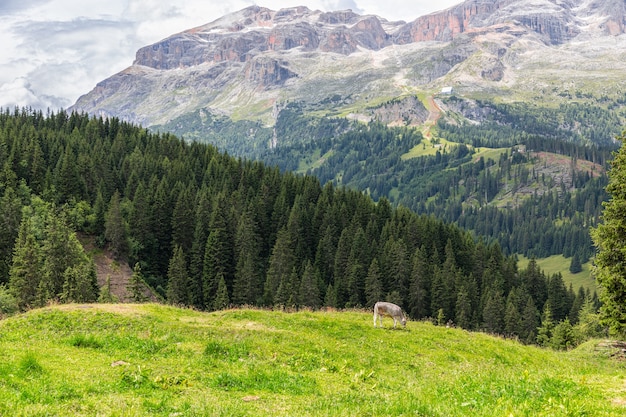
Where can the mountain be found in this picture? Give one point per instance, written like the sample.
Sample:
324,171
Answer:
498,115
248,64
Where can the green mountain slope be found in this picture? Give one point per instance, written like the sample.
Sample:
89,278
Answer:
152,360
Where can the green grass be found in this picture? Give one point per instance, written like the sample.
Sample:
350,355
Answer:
153,360
558,263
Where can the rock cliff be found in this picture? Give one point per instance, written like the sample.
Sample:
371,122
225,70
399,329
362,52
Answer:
257,56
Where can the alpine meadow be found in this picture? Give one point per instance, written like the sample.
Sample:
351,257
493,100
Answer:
212,230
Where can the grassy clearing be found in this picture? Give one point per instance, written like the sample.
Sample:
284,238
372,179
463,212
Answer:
140,360
558,263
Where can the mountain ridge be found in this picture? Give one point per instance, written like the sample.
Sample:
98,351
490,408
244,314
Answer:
243,64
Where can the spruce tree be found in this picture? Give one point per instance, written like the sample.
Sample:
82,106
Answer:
115,228
493,312
309,294
10,220
512,316
419,285
25,272
136,285
610,239
178,278
373,285
281,264
222,300
544,332
463,310
529,322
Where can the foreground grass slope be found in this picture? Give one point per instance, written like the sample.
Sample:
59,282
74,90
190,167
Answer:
140,360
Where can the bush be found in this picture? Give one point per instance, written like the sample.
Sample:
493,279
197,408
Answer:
8,303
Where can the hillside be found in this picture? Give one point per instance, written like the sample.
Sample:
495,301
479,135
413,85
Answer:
153,360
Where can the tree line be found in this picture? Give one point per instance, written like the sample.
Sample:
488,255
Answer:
207,230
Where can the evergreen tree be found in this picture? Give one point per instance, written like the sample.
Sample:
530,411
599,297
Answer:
106,296
309,294
512,317
575,266
287,291
493,312
10,219
248,282
544,333
115,228
463,317
136,285
356,269
60,250
563,336
529,322
222,300
419,285
281,264
589,325
373,285
25,272
80,284
330,297
178,278
218,255
610,240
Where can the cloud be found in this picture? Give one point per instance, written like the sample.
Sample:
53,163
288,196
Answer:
53,51
62,59
19,93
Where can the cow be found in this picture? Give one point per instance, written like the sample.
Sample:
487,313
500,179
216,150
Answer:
383,308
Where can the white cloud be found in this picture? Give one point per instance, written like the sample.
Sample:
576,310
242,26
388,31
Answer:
56,50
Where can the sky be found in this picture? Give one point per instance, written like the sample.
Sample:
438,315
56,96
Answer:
54,51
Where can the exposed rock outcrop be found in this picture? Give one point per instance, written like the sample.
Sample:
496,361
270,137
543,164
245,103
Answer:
248,56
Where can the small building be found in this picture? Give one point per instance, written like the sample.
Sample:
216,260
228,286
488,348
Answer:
446,90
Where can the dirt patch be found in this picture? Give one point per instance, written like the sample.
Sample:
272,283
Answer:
112,272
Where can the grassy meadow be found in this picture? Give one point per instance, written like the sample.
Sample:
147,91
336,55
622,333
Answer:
154,360
559,264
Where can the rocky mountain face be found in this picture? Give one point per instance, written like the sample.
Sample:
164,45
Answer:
245,64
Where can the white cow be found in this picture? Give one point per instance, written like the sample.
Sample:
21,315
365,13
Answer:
383,308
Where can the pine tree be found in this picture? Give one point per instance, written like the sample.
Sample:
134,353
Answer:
25,272
529,322
248,281
575,265
10,220
493,312
80,284
330,297
309,294
610,239
373,285
544,333
463,317
218,254
281,264
512,317
222,300
178,278
419,285
115,228
562,336
136,285
106,296
589,325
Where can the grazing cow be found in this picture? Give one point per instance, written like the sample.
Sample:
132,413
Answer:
383,308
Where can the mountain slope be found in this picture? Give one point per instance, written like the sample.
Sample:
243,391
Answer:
154,360
246,64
